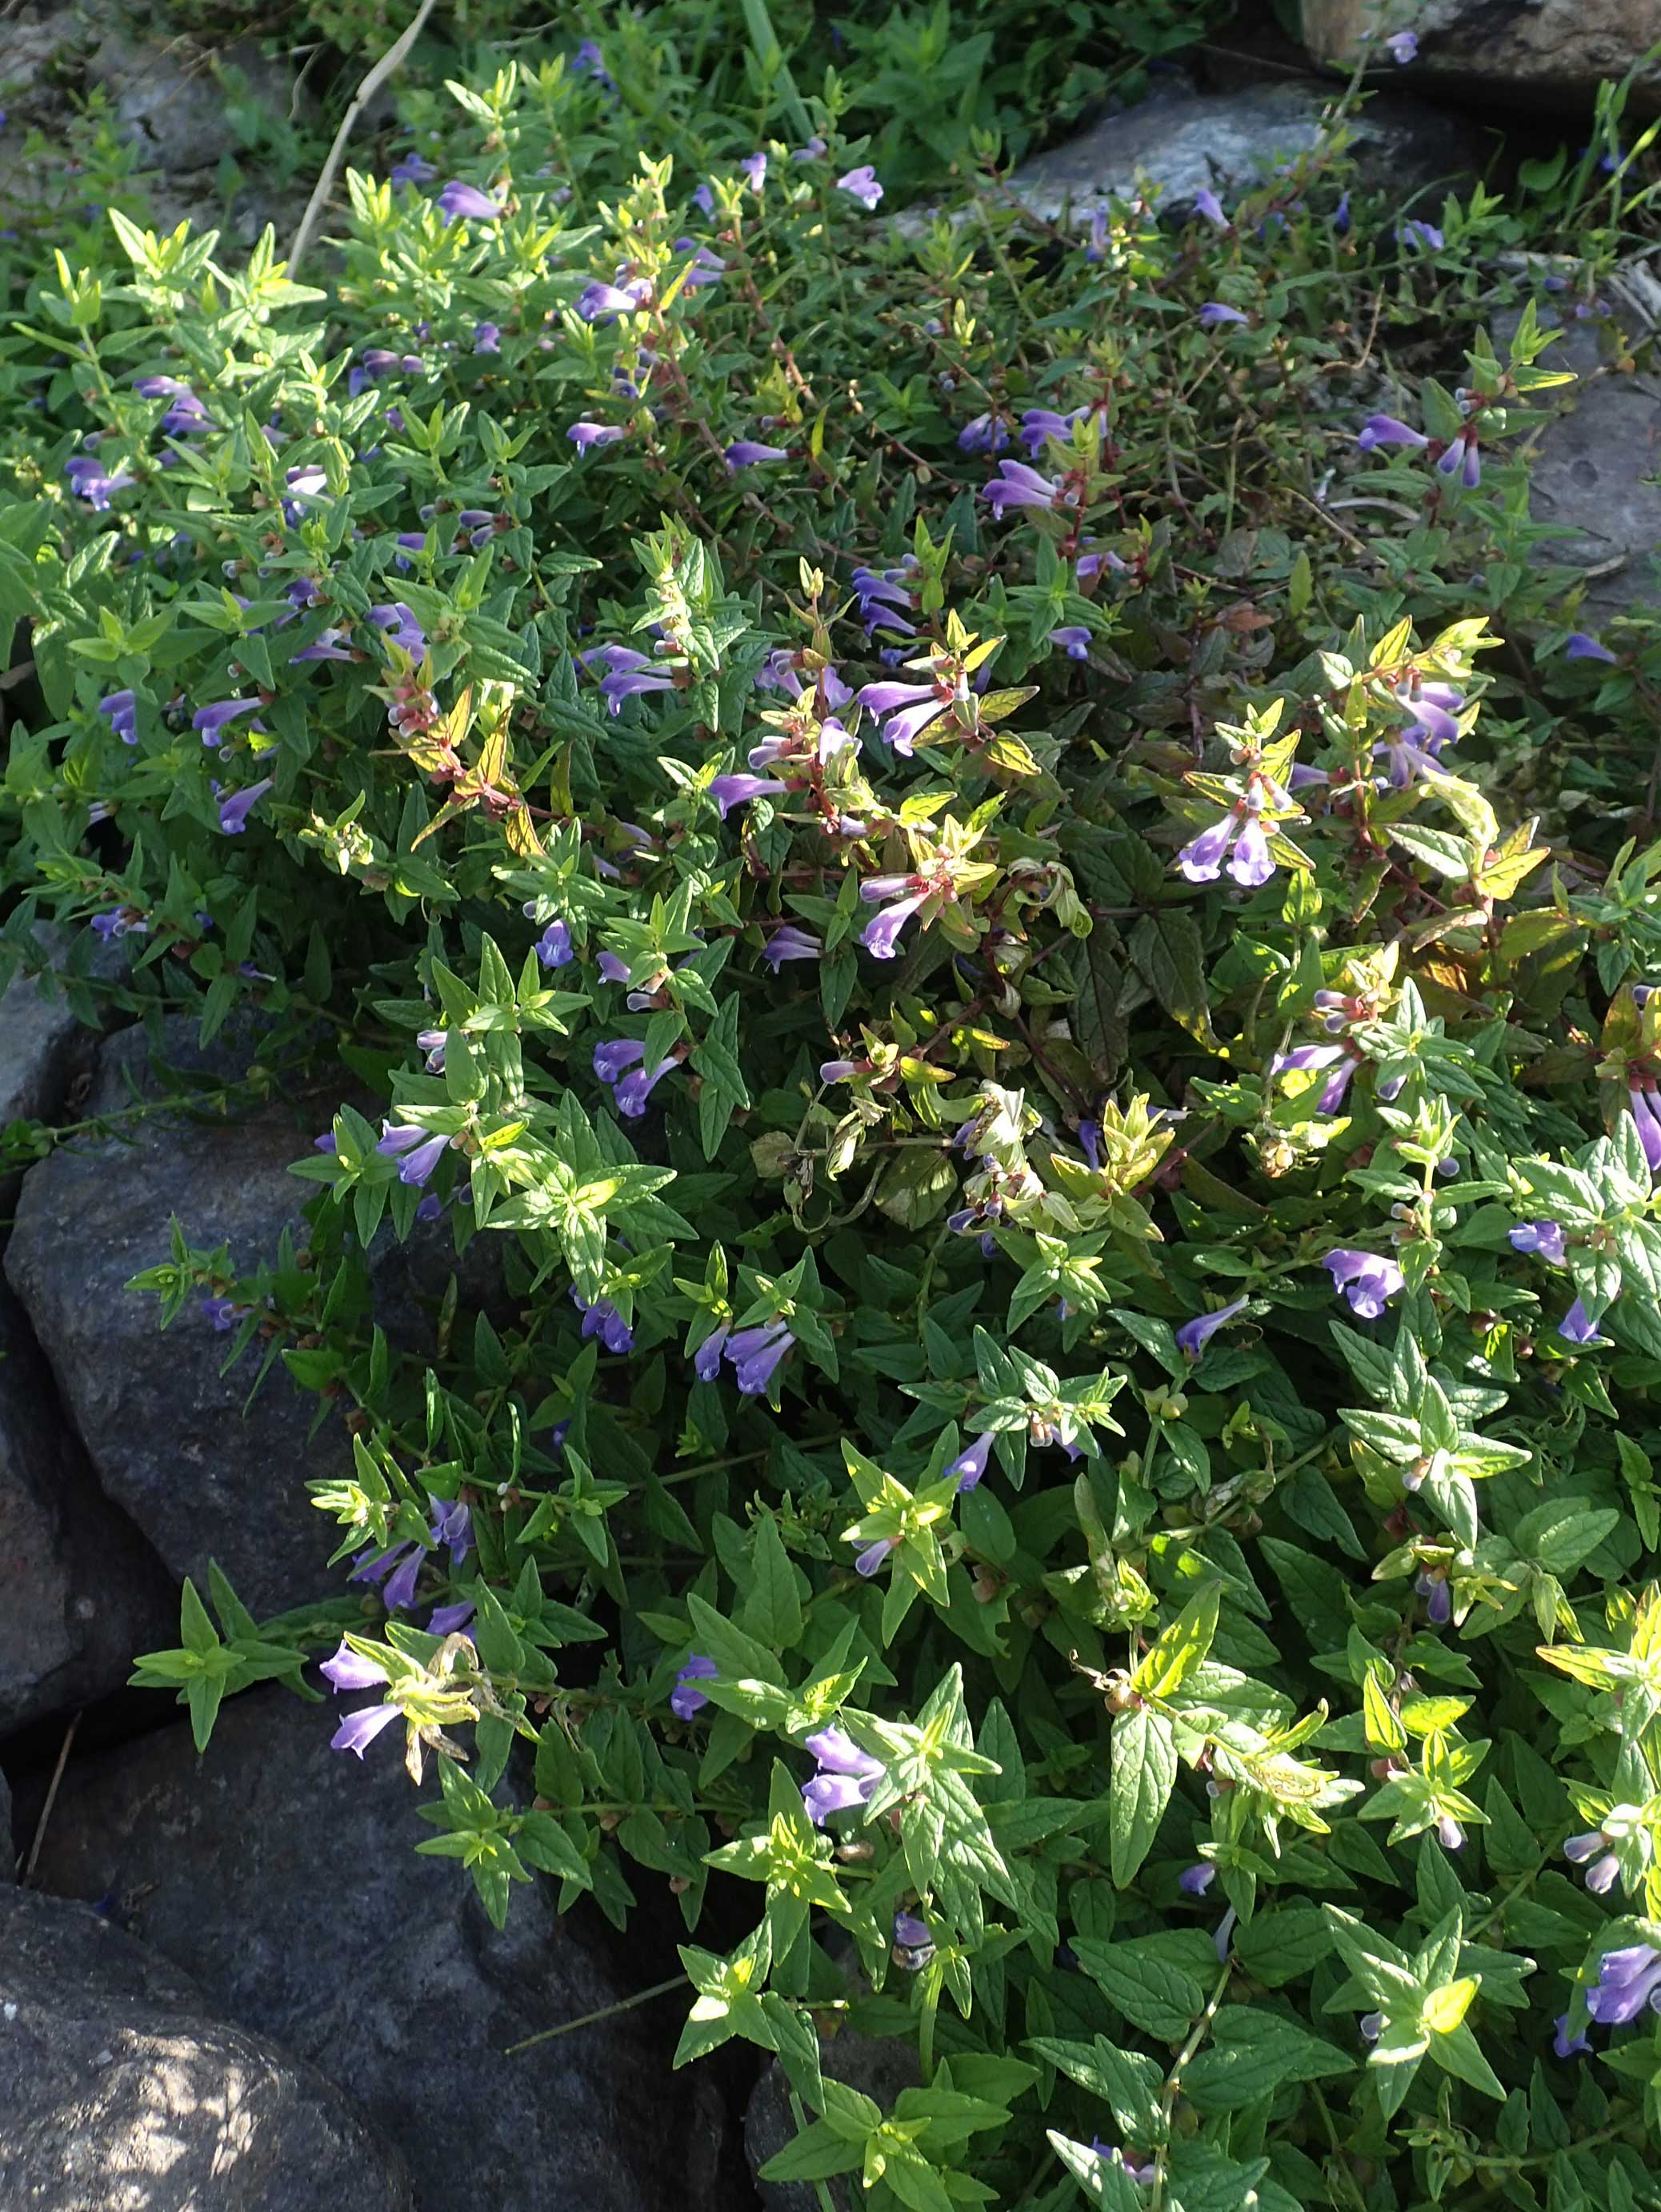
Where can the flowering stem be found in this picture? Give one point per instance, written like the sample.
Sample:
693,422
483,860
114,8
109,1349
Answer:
605,2012
1198,2035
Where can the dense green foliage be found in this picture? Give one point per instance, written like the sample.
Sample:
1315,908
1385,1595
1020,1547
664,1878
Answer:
968,1100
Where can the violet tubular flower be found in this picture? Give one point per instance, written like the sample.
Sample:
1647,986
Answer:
686,1699
706,1360
210,721
601,1318
755,1353
235,811
585,435
90,481
1627,1980
1207,203
1578,1326
969,1467
847,1776
412,169
1217,312
554,947
350,1670
729,790
1238,837
1195,1880
748,454
359,1729
861,183
466,203
1073,639
120,710
1545,1237
1386,430
1194,1335
790,942
599,298
417,1151
1601,1876
1403,46
1018,485
1366,1281
1413,232
1647,1121
881,935
1581,645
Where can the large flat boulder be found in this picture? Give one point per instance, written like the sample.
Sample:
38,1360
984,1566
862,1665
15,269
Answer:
120,2092
172,1441
1531,53
281,1876
80,1591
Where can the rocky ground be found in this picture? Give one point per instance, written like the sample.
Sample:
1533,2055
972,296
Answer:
230,1981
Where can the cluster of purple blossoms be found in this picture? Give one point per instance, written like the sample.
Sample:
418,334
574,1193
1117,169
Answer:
1238,837
1016,484
377,362
1039,425
1604,1870
417,1151
601,1318
619,1064
862,185
1418,748
846,1776
753,1354
881,935
1627,1980
686,1699
910,709
628,673
1546,1239
985,434
598,298
401,626
120,709
1366,1281
887,598
185,413
90,481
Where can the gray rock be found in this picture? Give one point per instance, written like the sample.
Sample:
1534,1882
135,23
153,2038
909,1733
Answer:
1226,141
281,1876
167,1435
119,2093
43,1048
81,1592
169,95
8,1846
1536,53
879,2067
1596,461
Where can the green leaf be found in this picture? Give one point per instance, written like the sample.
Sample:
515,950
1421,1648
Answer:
771,1612
1252,2053
1162,1998
1144,1756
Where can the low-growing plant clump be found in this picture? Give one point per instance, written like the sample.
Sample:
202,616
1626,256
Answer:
975,854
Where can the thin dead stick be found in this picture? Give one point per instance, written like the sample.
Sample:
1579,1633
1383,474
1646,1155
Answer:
606,2011
52,1799
360,98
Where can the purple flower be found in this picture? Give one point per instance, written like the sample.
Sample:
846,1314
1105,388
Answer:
460,201
417,1149
630,682
1073,639
971,1465
790,942
1366,1281
1414,233
413,169
1601,1876
836,1070
706,1360
487,337
985,435
911,1934
1545,1237
1404,45
211,720
881,935
1449,1834
234,811
1578,1326
1463,460
1627,1980
1207,204
220,1312
554,947
121,710
400,624
1303,1057
755,1353
433,1043
737,790
589,61
686,1699
585,434
1582,646
869,1561
630,1091
602,1320
1017,485
359,1729
862,185
755,167
306,480
598,298
746,454
1217,311
350,1670
1341,214
88,481
445,1620
612,970
452,1524
1386,430
1644,1113
1194,1335
704,199
1195,1880
1241,834
846,1776
325,646
1565,2044
810,152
